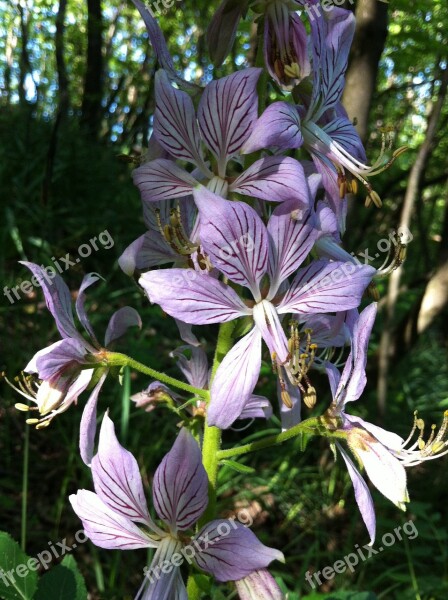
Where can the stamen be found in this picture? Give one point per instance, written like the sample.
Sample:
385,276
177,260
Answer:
434,447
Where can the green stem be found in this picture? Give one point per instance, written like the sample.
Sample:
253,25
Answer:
312,426
211,445
26,454
212,435
117,359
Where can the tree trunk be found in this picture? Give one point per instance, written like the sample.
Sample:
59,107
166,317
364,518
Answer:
386,349
368,45
435,298
60,62
93,82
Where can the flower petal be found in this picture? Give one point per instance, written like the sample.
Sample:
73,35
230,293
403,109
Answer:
61,355
331,35
257,407
106,528
259,585
117,479
230,551
292,236
353,379
163,580
385,471
222,30
273,178
120,321
362,495
58,299
193,297
268,323
226,113
235,381
326,287
162,179
175,125
180,487
87,428
158,41
195,369
278,127
234,237
147,251
87,281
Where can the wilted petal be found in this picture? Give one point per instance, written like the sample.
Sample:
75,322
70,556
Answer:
193,297
120,321
226,113
234,237
116,477
230,551
353,378
180,486
259,585
326,287
235,381
274,178
162,179
362,495
104,527
58,299
292,236
175,125
87,428
278,127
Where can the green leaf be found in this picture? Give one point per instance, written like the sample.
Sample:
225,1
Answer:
12,585
81,590
58,584
236,466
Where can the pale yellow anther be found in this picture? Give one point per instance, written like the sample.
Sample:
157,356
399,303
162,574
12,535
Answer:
22,407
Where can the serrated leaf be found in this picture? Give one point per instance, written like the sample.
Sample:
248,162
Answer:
236,466
13,587
58,584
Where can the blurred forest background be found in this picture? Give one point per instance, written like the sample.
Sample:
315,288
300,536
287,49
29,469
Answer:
76,85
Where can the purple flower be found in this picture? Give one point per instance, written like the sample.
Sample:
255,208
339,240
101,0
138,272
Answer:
66,368
226,114
116,517
374,447
322,125
285,44
241,247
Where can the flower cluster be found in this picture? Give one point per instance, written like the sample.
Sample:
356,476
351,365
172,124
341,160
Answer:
245,214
